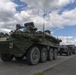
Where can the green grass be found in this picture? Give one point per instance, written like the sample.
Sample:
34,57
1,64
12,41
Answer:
39,73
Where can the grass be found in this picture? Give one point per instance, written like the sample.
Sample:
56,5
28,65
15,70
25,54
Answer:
39,73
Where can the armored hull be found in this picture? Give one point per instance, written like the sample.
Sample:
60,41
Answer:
34,45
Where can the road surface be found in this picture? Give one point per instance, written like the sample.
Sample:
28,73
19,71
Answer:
21,68
66,68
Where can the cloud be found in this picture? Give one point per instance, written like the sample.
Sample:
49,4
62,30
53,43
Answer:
67,17
34,12
66,40
47,5
65,2
53,19
7,11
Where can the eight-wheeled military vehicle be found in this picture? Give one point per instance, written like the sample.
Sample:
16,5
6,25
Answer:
27,42
63,49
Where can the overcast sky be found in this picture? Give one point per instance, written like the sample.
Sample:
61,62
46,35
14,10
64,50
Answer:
59,16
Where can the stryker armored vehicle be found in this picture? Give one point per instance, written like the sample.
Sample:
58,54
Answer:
63,49
27,42
72,48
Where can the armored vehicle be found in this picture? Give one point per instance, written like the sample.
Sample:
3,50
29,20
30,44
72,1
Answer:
27,42
63,49
72,48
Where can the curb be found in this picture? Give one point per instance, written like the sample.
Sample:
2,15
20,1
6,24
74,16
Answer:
51,64
58,63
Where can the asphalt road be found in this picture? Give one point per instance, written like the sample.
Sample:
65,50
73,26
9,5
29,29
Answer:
66,68
21,68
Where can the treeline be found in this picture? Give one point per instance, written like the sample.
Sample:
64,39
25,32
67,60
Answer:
4,34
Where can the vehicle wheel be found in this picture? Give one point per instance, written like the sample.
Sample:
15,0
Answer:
74,52
54,54
67,54
60,53
33,56
43,55
50,55
70,53
19,58
6,57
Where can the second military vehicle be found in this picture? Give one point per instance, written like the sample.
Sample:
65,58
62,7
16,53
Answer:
27,42
63,49
72,48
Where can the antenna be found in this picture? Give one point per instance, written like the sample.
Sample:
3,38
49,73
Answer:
43,28
44,18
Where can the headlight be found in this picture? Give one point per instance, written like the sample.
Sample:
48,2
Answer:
10,45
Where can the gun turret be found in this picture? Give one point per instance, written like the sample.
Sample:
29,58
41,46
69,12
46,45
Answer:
30,27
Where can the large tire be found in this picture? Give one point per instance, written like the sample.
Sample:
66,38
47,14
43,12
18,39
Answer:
74,52
6,57
67,54
43,55
70,53
19,58
60,53
33,56
50,54
54,54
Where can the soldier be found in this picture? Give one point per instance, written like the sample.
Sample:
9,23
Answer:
18,27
